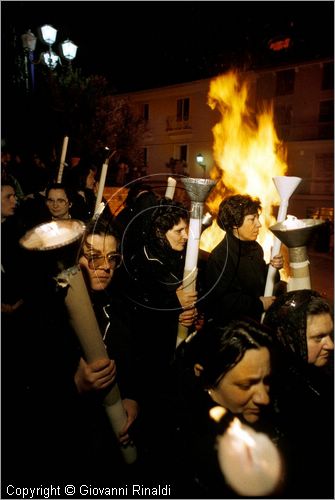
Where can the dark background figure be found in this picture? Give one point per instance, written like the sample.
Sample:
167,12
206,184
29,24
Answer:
134,219
82,179
236,271
302,324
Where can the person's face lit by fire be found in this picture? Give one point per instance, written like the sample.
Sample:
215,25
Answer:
177,236
99,260
319,336
249,230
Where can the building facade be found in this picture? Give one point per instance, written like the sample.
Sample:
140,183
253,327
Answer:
179,126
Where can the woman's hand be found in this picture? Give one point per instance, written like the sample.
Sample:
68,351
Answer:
131,408
95,376
187,299
188,317
277,261
267,301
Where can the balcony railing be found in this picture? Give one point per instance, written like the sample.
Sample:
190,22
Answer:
173,124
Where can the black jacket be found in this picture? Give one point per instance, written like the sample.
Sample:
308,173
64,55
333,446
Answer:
235,278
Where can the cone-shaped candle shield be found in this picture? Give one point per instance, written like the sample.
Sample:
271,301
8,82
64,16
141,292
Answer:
296,237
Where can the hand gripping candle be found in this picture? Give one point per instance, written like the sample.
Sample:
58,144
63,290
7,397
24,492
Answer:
59,242
198,190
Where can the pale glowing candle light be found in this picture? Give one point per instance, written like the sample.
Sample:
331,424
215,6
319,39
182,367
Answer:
292,222
249,460
169,193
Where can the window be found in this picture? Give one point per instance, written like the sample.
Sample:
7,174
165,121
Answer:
183,153
328,76
285,82
183,109
322,181
283,114
326,111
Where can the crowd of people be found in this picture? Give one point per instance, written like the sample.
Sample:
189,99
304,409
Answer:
266,360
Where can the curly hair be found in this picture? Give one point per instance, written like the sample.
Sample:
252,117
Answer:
166,215
233,209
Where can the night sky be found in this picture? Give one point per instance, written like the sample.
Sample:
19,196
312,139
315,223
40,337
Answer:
139,45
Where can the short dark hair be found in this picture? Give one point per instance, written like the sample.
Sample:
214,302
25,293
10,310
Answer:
59,185
103,226
219,348
233,209
165,215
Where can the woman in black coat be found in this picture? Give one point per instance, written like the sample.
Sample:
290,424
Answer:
302,324
236,272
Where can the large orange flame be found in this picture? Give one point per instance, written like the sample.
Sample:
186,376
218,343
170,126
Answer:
247,155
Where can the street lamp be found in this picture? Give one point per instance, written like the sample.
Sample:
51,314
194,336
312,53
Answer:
50,58
48,35
200,160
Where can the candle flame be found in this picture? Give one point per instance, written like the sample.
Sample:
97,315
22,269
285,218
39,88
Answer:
217,412
237,431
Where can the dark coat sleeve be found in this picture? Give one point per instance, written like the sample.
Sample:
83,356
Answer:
234,283
120,347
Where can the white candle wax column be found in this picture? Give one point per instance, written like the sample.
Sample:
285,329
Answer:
169,193
84,323
191,260
62,159
249,460
101,186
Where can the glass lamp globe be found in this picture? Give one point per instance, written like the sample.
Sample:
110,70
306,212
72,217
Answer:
48,34
69,50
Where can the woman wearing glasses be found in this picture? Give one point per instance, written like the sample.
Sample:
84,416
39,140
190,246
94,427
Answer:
302,322
99,259
58,200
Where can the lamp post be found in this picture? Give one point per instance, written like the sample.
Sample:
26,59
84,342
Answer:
200,161
47,35
50,58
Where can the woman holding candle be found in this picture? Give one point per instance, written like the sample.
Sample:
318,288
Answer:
227,366
154,291
155,302
236,271
99,259
302,324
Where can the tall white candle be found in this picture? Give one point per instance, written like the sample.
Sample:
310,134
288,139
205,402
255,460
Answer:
62,159
249,460
169,193
101,186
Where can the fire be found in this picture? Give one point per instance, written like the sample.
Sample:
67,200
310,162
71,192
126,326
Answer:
247,155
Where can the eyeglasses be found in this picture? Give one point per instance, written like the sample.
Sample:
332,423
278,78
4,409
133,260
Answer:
97,260
59,201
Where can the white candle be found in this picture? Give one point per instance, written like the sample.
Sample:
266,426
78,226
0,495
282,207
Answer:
101,186
169,193
291,222
62,159
249,460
